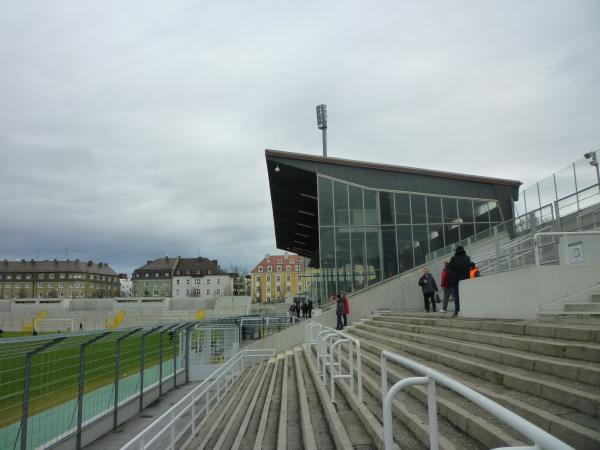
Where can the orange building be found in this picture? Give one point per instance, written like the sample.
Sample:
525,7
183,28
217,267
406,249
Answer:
276,277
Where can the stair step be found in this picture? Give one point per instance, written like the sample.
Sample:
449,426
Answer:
582,397
577,371
524,328
569,425
583,306
294,439
266,435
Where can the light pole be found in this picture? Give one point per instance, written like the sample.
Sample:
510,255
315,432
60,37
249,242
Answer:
593,161
322,125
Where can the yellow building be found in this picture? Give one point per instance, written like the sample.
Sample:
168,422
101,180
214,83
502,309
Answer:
276,277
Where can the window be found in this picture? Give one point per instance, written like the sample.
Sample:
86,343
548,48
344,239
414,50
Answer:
177,292
156,275
62,285
278,278
260,269
19,276
268,277
187,292
62,276
270,269
279,261
146,275
197,281
289,278
50,285
208,292
187,281
167,274
178,281
208,281
17,285
156,293
187,272
209,271
9,277
292,261
218,291
278,288
28,276
218,281
288,268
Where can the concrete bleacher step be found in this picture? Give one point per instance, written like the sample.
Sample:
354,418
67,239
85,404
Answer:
566,422
577,395
583,306
469,344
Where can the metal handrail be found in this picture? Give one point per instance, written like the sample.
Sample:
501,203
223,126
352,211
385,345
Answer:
318,335
167,421
558,234
540,438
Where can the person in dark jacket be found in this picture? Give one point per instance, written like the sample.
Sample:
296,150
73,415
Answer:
459,269
310,308
346,307
429,287
339,312
445,283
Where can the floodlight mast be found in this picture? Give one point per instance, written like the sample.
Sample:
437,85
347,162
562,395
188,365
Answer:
322,125
593,161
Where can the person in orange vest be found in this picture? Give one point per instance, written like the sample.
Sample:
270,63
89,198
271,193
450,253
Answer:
474,272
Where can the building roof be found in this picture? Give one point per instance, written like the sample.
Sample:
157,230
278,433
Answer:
390,167
201,265
272,260
165,263
67,266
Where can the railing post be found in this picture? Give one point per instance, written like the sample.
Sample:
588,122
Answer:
82,348
142,361
497,250
118,374
188,332
384,384
432,412
160,362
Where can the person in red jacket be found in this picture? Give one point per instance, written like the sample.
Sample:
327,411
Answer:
346,307
446,287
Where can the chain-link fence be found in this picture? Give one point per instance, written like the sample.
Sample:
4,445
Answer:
54,385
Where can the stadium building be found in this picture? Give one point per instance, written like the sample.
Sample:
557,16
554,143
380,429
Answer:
361,223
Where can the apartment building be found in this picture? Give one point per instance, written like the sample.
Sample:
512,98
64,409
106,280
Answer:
276,277
201,277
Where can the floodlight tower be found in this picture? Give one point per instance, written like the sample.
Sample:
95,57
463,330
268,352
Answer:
322,125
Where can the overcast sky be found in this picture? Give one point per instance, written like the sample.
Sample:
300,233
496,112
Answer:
133,130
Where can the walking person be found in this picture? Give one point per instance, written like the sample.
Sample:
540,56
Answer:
445,284
339,312
346,307
429,288
459,269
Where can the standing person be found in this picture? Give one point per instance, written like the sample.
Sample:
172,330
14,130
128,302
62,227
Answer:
429,288
474,272
298,309
310,308
304,309
339,312
445,283
80,326
346,307
458,268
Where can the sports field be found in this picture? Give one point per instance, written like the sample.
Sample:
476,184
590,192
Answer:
55,375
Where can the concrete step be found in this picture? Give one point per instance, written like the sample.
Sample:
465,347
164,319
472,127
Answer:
584,372
208,427
328,428
458,411
583,333
293,434
225,431
568,424
248,429
595,297
580,396
572,317
266,434
583,306
544,346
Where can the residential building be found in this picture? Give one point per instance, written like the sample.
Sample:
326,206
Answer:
126,285
57,279
276,277
154,279
201,277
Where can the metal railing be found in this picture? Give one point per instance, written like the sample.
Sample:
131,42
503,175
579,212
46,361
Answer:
430,377
329,345
260,327
552,246
183,419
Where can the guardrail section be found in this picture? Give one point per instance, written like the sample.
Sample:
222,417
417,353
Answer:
430,377
182,420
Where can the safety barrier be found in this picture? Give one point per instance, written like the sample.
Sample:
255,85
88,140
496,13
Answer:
182,418
540,439
554,245
327,341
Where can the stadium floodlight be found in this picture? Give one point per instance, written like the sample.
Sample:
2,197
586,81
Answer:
322,125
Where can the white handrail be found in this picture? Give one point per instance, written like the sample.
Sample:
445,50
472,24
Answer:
540,438
318,335
167,421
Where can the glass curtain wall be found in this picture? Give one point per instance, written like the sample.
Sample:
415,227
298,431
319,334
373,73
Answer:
367,235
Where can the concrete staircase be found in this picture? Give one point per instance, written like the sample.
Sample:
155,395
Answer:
547,373
280,404
581,312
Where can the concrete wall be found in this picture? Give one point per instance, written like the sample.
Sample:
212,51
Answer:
522,294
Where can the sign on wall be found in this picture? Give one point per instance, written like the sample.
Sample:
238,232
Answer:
575,252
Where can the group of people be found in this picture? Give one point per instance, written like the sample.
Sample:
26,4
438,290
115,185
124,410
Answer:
303,307
459,268
342,309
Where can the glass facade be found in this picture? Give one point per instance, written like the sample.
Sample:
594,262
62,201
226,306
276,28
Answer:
366,235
